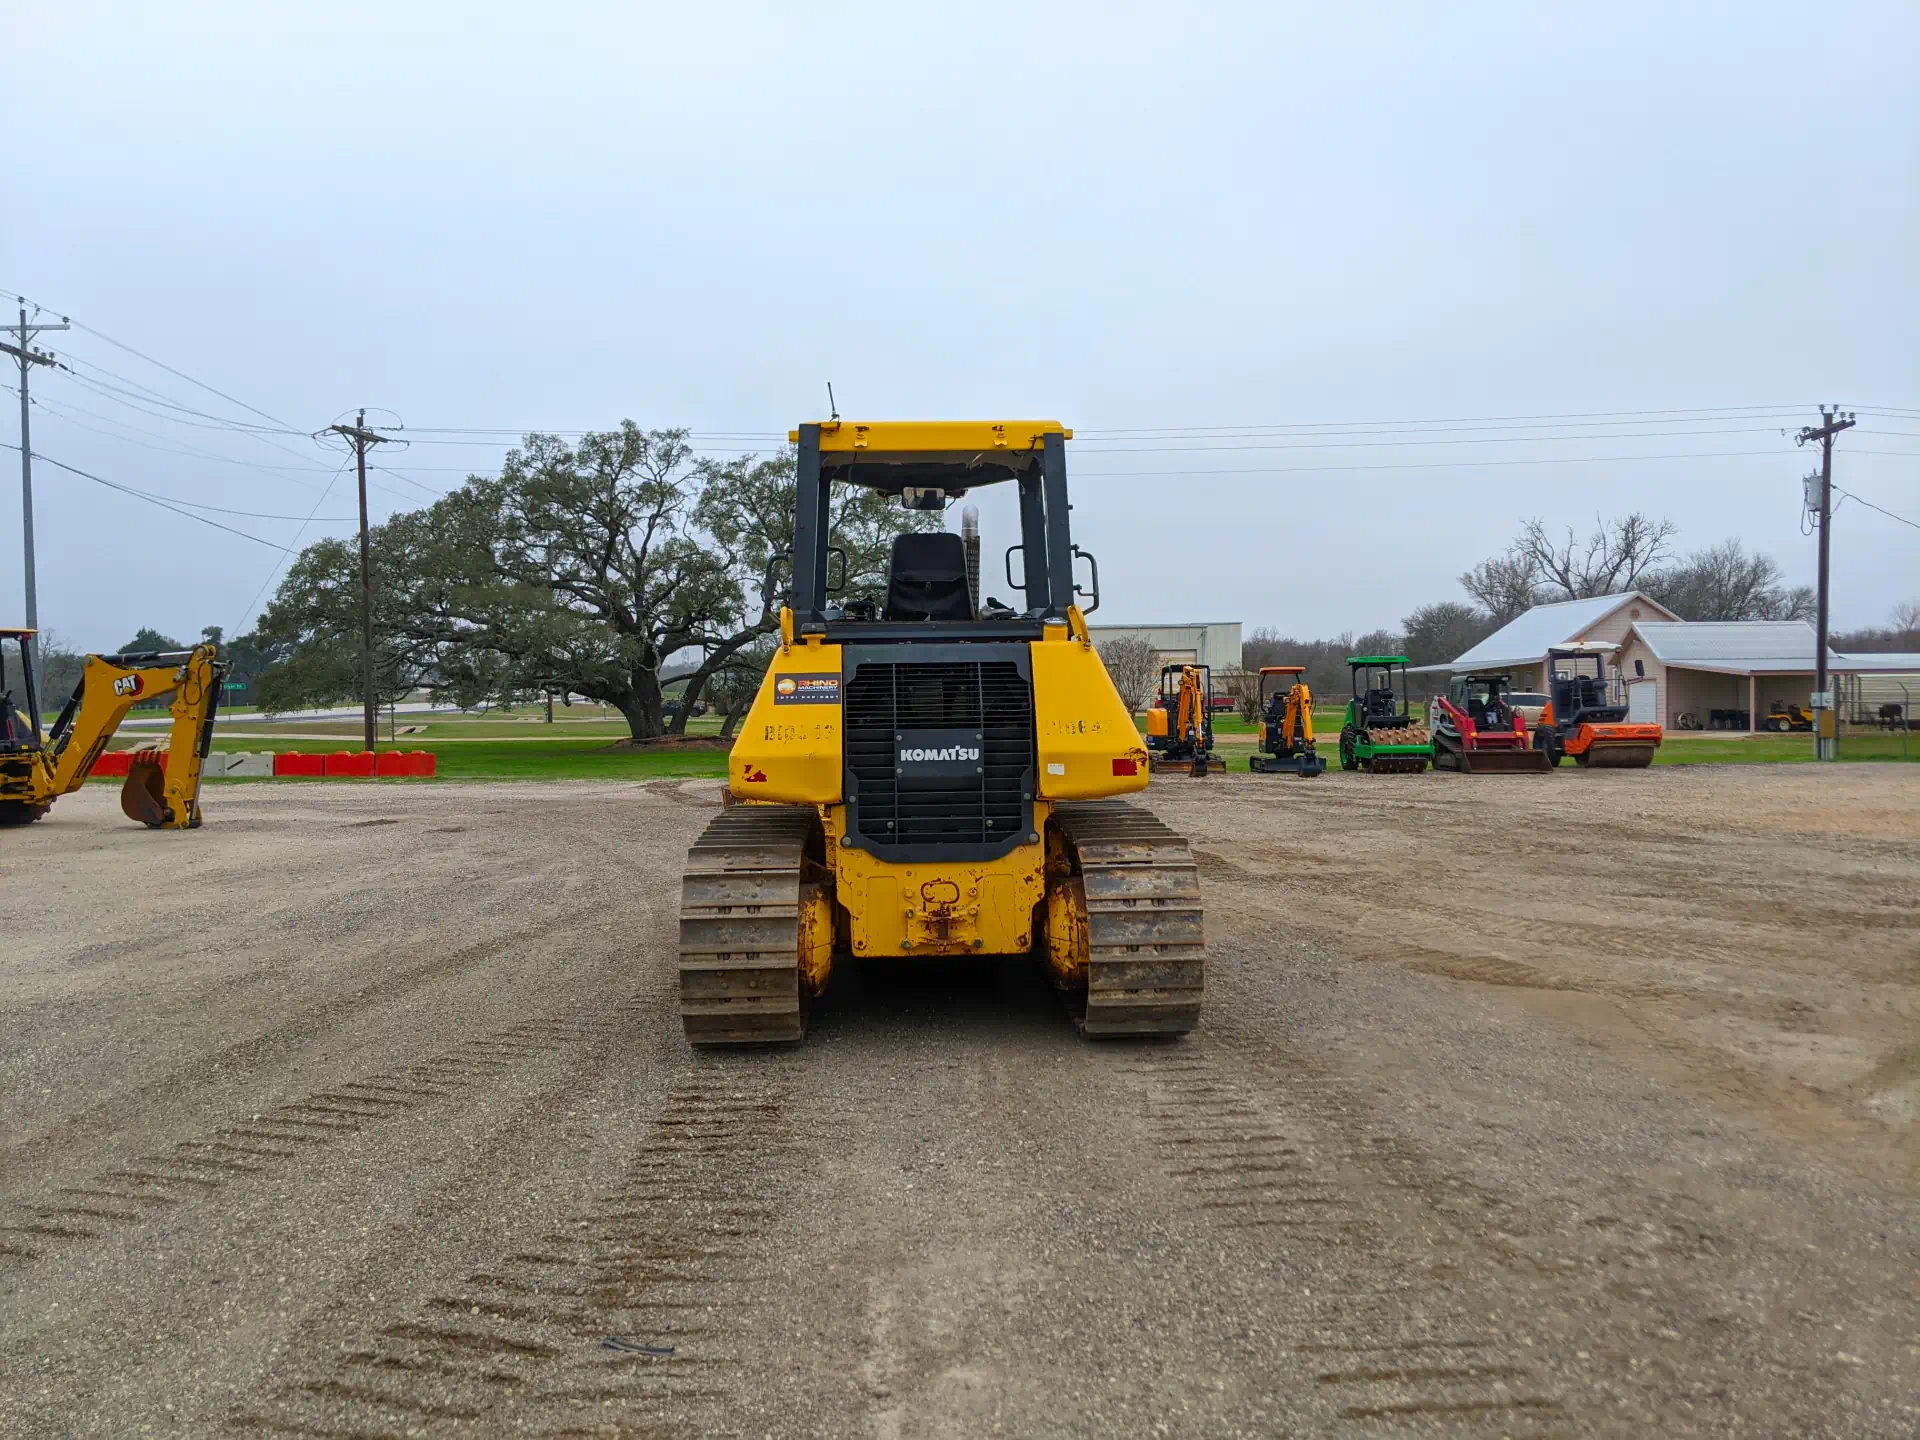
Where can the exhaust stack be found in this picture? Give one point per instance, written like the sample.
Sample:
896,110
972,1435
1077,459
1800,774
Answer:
970,542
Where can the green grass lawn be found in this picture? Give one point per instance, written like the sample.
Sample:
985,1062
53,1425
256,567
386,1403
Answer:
522,747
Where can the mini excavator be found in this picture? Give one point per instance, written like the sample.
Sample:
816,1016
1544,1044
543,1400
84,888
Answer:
1180,724
1286,726
162,789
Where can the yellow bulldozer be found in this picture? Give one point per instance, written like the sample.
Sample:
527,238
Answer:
937,777
162,789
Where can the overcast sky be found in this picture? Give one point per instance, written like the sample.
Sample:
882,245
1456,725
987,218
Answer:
1204,228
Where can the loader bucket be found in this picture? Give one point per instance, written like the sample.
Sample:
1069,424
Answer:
1505,762
144,795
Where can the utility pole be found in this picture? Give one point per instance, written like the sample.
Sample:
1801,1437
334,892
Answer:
1825,744
361,437
27,357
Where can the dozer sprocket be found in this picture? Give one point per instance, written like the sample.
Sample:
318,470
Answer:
740,916
1146,953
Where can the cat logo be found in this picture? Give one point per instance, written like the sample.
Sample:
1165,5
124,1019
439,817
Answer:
128,685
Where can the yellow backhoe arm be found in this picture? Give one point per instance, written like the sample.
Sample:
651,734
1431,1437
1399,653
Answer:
1298,720
1190,704
166,798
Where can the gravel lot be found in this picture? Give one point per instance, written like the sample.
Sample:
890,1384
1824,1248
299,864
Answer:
1576,1104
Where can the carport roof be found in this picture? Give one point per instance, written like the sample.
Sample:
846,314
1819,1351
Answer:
1738,647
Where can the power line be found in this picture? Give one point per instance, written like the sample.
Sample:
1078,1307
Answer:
177,374
60,413
150,499
1871,506
1434,464
254,604
145,403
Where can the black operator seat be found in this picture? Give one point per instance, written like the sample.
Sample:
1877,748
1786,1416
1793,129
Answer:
927,579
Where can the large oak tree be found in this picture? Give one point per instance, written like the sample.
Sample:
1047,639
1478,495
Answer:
580,569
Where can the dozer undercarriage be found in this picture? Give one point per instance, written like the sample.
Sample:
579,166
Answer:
931,776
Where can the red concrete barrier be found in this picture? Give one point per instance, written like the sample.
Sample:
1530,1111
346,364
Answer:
113,763
288,762
350,762
404,762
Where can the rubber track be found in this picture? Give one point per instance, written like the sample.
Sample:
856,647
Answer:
1146,970
739,927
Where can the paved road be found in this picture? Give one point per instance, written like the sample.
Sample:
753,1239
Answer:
362,1111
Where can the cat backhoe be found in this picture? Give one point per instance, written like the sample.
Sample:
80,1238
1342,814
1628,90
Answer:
162,789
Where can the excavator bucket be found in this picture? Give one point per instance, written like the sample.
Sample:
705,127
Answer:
144,795
1504,762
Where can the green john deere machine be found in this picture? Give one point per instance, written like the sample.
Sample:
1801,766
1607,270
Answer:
1379,735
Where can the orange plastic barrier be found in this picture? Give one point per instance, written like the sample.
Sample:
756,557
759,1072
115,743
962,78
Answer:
288,762
113,763
404,762
350,762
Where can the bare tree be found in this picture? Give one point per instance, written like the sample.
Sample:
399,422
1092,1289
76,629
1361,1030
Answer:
1133,665
1611,558
1507,586
1724,582
1906,623
1443,630
1243,687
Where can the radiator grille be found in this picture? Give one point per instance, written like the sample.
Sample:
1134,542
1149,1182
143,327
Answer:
991,698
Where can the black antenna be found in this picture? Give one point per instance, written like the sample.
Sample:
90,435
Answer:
831,407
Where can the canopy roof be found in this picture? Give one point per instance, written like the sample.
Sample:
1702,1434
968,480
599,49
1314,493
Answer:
1741,647
949,455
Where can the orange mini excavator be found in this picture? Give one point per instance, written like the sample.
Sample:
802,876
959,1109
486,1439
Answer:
1180,724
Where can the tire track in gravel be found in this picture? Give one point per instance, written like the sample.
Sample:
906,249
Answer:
625,1318
278,1139
270,1045
1382,1339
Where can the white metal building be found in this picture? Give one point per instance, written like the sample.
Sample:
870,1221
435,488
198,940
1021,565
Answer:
1205,642
1712,674
1519,648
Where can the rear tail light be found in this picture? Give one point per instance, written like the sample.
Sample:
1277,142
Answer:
1126,767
